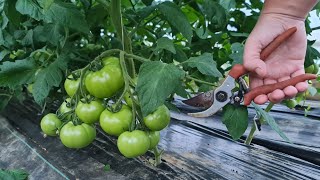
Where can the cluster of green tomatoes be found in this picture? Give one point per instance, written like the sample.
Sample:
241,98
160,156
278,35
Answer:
87,106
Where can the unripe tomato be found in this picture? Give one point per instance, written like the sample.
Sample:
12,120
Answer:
64,108
159,119
71,86
133,144
107,81
89,112
154,139
78,136
50,124
309,69
116,123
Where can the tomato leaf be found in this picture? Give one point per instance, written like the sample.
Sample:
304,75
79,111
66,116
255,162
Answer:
270,121
204,64
165,43
236,120
67,15
216,15
156,82
227,4
53,33
17,73
176,18
14,174
4,100
311,55
49,77
31,8
237,53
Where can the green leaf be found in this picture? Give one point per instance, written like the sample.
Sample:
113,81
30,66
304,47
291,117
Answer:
204,64
3,54
13,174
49,77
13,15
270,120
96,15
53,33
45,4
28,39
216,15
67,15
31,8
180,55
228,4
17,73
237,34
237,53
176,18
312,90
311,55
236,120
156,82
165,43
147,2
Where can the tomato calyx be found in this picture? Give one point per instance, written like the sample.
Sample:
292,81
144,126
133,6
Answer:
95,66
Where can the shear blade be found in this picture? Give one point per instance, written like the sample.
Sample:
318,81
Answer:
204,100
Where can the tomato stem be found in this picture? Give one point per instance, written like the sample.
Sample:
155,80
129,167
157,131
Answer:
201,81
253,127
157,156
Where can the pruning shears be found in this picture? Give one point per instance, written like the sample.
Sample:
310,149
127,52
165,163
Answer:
216,99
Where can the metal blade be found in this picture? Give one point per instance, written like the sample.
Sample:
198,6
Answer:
222,96
202,100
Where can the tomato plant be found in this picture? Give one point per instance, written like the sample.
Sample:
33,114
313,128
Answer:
133,144
50,124
106,81
154,139
89,112
176,48
159,119
115,123
77,136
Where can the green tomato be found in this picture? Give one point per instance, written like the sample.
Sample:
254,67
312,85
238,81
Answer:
89,112
291,103
309,69
159,119
64,108
116,123
316,69
50,124
71,86
154,139
78,136
128,99
107,81
133,144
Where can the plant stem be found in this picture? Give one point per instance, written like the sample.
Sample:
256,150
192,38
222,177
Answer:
141,59
200,81
157,156
253,127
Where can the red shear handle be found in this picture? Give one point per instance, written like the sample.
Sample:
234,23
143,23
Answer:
271,87
239,70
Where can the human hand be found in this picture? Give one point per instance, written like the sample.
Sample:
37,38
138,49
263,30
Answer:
286,62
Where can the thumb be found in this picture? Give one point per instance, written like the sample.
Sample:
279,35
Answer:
251,59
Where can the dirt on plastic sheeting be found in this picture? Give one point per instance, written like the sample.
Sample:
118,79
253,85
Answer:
194,149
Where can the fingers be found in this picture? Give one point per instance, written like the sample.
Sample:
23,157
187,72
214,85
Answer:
251,58
278,95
